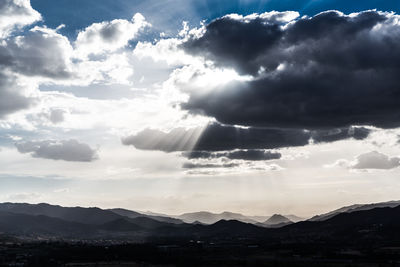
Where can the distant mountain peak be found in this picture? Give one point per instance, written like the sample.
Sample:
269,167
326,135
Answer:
206,217
277,219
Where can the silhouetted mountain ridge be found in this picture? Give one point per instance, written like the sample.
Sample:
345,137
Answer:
73,214
134,214
40,225
353,208
372,225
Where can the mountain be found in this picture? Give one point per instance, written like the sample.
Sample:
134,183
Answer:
148,223
294,218
211,218
258,218
43,220
373,226
134,214
126,213
277,219
353,208
78,214
360,238
40,225
148,212
226,229
34,226
99,216
132,229
121,225
200,223
75,221
75,214
262,219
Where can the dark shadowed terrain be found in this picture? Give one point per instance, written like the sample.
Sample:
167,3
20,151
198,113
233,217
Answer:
46,235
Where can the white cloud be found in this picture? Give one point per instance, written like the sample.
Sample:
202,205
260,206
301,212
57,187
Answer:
115,68
15,14
272,16
108,36
164,50
46,56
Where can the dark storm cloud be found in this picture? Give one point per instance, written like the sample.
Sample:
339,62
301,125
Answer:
68,150
228,36
333,135
325,72
217,137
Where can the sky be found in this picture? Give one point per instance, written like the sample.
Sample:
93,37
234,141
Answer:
257,107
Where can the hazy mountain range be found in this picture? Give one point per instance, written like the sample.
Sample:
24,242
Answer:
210,218
100,216
50,221
205,217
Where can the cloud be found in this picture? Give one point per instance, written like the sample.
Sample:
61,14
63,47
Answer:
40,52
68,150
217,137
322,72
252,154
370,160
237,41
235,161
40,55
53,115
56,116
332,135
48,56
227,167
376,160
167,50
191,165
14,95
15,14
108,36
